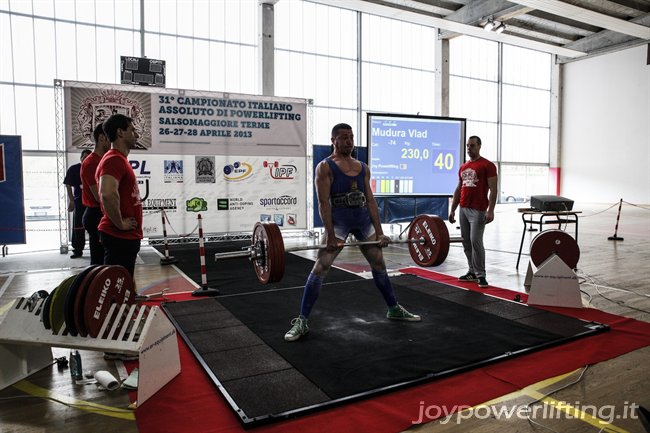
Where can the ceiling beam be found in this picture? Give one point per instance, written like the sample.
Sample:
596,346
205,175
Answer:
475,12
559,8
440,23
606,38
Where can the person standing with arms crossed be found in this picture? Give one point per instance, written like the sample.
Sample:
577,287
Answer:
120,229
476,194
90,195
346,205
72,182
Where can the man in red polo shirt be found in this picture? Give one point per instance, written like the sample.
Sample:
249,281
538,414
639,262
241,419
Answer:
90,195
120,229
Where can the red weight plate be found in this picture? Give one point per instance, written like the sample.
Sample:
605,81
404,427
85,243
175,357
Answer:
436,240
111,285
80,300
58,303
68,309
556,242
268,245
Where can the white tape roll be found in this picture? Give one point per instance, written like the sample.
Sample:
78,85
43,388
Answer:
107,380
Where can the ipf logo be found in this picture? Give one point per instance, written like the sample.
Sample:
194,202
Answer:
237,171
277,171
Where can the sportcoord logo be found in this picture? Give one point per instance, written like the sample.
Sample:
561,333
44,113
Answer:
284,200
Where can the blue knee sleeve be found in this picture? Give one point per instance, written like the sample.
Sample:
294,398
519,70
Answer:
309,296
385,287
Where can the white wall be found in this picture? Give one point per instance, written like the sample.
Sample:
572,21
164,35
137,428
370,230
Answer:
605,128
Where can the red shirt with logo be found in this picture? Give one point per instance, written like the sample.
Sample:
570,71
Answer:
115,164
88,170
474,176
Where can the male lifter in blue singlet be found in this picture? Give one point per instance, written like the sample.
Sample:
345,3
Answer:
346,205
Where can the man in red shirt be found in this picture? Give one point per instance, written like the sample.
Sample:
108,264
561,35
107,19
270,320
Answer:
476,178
90,195
120,229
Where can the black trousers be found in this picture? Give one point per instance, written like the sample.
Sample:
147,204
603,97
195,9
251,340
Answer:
91,219
78,239
118,251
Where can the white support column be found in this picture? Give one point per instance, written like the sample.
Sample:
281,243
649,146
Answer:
442,77
266,34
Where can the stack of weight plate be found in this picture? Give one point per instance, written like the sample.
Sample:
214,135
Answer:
82,302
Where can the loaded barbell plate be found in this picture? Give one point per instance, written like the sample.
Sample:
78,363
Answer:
111,285
267,238
557,242
58,303
80,299
68,308
45,313
435,248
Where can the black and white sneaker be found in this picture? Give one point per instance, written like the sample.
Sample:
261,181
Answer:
470,276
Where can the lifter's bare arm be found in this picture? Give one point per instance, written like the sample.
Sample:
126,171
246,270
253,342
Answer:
323,182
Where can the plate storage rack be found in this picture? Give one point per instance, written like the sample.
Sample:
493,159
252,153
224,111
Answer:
26,345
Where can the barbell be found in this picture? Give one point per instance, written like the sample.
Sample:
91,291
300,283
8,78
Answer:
428,244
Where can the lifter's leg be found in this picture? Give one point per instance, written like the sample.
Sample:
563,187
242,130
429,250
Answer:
375,258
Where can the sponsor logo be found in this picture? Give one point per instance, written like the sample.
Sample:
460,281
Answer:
159,203
233,204
196,204
222,204
291,219
237,171
265,217
173,171
280,172
140,168
204,169
149,230
282,201
278,218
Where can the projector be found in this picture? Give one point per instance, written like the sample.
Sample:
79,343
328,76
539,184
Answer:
551,203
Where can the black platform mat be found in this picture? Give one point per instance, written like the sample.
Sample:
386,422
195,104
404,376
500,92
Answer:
353,351
237,275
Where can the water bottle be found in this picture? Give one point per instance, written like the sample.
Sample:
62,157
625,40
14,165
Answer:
75,365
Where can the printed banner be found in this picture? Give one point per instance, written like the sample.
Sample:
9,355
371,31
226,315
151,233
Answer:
12,217
233,159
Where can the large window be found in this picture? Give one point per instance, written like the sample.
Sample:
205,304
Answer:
504,92
316,58
397,67
42,40
208,45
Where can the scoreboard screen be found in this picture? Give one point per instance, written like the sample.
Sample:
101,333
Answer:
415,155
142,71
